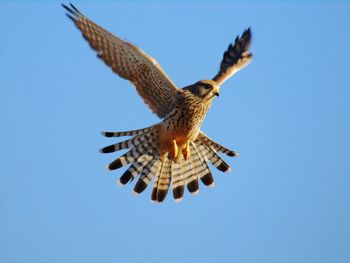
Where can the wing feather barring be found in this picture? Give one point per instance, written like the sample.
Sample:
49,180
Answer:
174,151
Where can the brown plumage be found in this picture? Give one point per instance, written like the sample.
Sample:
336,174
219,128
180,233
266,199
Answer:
174,151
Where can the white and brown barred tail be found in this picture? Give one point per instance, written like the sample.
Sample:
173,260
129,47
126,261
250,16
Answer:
144,161
235,57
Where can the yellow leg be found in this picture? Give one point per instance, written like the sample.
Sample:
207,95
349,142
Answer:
186,151
174,151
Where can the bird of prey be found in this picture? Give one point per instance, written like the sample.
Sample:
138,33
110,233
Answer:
174,151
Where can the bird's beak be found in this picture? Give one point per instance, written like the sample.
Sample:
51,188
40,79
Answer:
216,91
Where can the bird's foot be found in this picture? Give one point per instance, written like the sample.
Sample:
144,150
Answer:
174,151
186,151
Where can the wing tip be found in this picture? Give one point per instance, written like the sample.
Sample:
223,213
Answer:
72,9
248,31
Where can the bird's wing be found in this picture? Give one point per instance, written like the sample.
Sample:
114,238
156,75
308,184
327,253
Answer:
130,63
235,57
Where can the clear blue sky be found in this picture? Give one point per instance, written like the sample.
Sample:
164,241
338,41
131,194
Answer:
287,114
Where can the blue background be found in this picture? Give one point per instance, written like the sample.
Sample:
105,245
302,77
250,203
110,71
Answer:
287,114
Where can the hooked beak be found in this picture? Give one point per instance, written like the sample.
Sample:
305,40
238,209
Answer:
216,91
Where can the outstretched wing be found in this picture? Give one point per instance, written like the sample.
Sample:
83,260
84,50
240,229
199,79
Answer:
130,63
235,58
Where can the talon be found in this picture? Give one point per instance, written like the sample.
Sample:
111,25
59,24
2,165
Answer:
186,151
174,151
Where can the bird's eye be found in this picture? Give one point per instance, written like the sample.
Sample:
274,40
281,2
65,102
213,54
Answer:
207,86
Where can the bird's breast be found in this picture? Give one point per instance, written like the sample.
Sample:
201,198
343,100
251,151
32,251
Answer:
182,125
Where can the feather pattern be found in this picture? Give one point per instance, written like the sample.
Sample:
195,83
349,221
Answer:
216,146
129,62
235,58
134,170
132,142
194,171
147,174
162,182
128,133
215,159
133,155
145,162
183,111
203,172
177,181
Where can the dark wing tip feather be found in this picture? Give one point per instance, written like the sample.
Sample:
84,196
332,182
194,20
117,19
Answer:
245,39
71,17
76,9
235,51
235,57
73,12
69,10
247,33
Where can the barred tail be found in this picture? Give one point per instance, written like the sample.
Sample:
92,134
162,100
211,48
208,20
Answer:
162,182
203,170
177,181
216,146
210,155
142,154
144,161
209,148
134,170
147,174
128,133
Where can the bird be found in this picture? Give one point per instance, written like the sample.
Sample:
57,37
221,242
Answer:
173,152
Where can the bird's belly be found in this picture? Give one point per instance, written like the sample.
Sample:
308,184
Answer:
179,131
180,134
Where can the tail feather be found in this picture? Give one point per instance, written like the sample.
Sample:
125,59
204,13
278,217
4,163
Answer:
130,143
215,159
147,174
144,159
134,154
216,146
129,157
162,182
127,133
190,177
203,171
134,170
177,182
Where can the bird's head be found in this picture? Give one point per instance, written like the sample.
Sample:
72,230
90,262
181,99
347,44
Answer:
205,89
